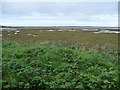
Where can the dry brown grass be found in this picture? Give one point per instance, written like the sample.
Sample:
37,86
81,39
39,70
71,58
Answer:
88,39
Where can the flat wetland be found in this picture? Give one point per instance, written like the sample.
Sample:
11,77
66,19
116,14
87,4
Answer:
44,60
86,38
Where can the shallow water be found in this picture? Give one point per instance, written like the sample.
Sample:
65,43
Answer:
8,28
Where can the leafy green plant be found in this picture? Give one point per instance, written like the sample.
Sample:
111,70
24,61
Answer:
49,65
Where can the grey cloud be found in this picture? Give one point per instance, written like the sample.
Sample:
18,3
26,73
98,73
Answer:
52,8
64,11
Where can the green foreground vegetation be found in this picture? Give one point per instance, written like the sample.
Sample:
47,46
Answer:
50,65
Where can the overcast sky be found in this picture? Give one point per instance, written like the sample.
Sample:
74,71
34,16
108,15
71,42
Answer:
60,13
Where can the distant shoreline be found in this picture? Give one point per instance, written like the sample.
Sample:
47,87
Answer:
62,27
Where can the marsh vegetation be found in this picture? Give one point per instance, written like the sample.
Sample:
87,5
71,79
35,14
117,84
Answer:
79,59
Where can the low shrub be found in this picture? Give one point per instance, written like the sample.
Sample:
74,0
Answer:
48,66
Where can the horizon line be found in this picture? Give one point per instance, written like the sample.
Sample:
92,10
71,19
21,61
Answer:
55,26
